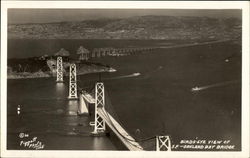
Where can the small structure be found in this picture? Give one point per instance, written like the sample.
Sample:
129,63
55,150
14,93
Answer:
163,143
84,53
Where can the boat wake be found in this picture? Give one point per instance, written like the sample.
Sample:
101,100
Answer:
127,76
196,89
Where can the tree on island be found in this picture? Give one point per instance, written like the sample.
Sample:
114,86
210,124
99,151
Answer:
84,53
63,53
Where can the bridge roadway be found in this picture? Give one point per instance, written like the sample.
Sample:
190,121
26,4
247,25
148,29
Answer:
126,139
89,98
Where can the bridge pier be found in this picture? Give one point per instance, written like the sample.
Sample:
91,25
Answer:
163,143
59,70
72,82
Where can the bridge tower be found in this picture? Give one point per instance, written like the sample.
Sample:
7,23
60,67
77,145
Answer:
59,70
72,82
163,143
99,124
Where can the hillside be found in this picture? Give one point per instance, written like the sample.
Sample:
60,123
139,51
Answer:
143,27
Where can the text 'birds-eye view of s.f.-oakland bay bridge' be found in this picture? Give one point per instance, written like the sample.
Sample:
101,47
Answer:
124,79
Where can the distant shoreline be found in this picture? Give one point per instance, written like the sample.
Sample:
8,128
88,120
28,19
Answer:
140,27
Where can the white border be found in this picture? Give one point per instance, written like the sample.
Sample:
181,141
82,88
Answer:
128,4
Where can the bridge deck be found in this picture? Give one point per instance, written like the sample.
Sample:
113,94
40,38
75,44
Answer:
89,98
126,139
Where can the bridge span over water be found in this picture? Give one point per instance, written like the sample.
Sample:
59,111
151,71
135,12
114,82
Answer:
102,116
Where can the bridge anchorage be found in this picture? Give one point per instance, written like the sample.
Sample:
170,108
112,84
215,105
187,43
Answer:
59,70
72,82
163,143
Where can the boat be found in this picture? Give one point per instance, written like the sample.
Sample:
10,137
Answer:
136,74
195,89
111,70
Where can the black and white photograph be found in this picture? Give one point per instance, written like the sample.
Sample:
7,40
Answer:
162,80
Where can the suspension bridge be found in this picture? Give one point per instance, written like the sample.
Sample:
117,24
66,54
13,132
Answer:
102,117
